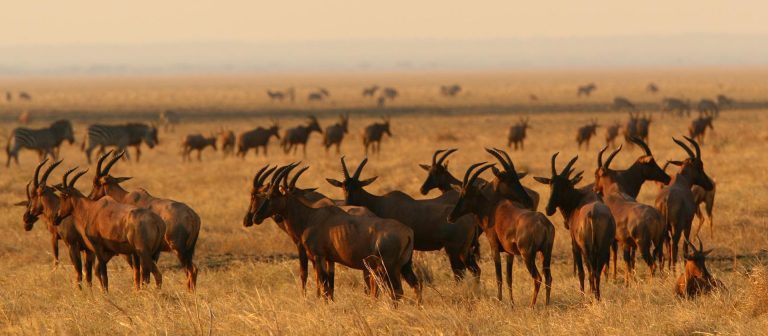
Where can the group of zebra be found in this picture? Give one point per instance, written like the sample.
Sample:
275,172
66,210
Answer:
47,141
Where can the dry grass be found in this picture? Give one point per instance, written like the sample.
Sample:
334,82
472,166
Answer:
249,282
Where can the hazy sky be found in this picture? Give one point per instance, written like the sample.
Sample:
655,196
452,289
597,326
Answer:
45,22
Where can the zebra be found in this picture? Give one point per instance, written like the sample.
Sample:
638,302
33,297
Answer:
169,120
120,136
46,141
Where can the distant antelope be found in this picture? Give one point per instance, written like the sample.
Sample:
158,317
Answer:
226,140
588,219
258,137
611,133
427,218
112,228
334,134
42,201
45,141
329,235
180,223
585,133
699,126
652,88
299,135
196,142
533,97
373,133
680,106
708,107
318,95
450,90
723,101
23,95
638,126
676,201
508,227
169,120
517,133
119,136
370,91
390,93
586,90
696,279
621,104
275,95
381,102
638,226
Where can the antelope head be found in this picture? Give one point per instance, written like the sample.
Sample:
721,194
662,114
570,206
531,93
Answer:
385,125
352,185
438,174
471,199
507,181
40,198
344,122
103,181
605,177
150,137
693,167
314,125
274,129
649,167
695,261
67,195
273,200
257,191
560,184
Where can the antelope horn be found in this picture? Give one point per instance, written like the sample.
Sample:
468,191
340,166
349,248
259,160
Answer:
101,161
642,144
77,176
477,173
276,178
37,172
48,171
701,246
266,175
695,146
434,156
469,172
344,169
65,176
28,193
567,170
688,150
295,178
554,157
689,243
257,177
288,171
600,156
360,169
510,165
498,157
610,157
445,156
112,163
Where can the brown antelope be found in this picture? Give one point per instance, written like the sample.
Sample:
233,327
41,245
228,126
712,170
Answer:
318,95
699,126
611,133
427,218
450,90
585,90
370,91
226,140
328,235
275,95
638,126
181,225
373,133
652,88
334,134
508,227
42,201
256,138
110,228
702,198
621,103
696,279
676,202
644,169
196,142
588,219
586,132
517,134
299,135
638,226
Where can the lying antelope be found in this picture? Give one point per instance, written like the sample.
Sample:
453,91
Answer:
334,134
516,230
373,133
588,219
427,218
329,235
638,226
696,279
196,142
110,228
181,225
676,202
42,201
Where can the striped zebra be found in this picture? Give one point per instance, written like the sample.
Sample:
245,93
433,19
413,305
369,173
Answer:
46,141
119,136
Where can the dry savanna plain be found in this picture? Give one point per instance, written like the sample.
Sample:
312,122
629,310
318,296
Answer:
248,282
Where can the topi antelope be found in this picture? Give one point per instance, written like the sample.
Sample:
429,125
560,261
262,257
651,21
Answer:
611,133
275,95
299,135
328,235
196,142
702,198
45,141
643,169
318,95
110,228
517,134
23,95
42,201
508,227
373,133
585,133
370,91
676,202
450,90
671,105
588,219
334,134
586,90
621,104
427,218
226,140
181,224
638,126
699,126
256,138
696,279
638,226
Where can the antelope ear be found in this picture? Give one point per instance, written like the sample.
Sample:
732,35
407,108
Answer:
425,167
496,172
334,183
364,183
21,203
707,252
576,180
542,180
521,175
122,179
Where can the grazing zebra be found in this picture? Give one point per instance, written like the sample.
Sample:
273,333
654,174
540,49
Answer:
120,136
169,120
334,134
45,141
586,90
